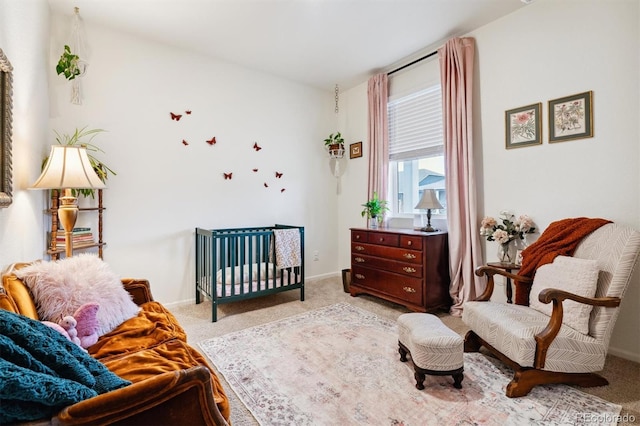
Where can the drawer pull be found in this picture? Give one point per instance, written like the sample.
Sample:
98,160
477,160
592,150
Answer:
409,256
409,289
409,242
409,270
359,259
381,239
357,237
360,276
359,248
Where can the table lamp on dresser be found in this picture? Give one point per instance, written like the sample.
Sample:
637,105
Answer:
428,201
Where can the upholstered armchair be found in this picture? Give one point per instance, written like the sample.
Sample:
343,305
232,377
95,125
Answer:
563,335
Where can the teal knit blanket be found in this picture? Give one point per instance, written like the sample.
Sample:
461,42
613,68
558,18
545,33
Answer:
41,371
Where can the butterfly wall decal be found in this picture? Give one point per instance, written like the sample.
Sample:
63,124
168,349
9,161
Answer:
228,175
265,185
212,141
278,175
185,143
282,190
188,112
255,170
175,117
256,147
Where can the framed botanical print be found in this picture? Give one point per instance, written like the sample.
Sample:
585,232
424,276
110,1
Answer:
571,117
523,126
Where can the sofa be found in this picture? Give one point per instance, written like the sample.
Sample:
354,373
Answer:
170,382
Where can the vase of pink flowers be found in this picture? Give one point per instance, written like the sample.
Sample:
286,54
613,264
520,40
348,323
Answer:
505,231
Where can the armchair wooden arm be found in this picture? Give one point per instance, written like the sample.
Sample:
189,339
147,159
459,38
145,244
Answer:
490,271
546,336
139,289
179,397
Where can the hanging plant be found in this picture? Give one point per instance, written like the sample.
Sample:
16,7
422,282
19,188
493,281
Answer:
68,64
334,139
79,138
335,145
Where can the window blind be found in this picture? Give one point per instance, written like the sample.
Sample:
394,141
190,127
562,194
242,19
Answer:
415,125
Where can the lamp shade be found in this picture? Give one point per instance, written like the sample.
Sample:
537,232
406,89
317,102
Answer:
68,167
429,200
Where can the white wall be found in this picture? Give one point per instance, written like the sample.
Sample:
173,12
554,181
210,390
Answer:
24,33
521,61
163,189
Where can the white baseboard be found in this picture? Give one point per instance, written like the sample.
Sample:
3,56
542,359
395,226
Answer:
307,279
179,303
624,354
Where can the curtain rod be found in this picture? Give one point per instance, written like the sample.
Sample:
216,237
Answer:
412,63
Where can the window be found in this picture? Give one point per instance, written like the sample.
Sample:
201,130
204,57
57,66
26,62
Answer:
416,150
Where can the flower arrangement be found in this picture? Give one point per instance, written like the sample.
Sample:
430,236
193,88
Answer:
508,229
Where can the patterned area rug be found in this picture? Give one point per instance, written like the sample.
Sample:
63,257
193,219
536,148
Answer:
340,365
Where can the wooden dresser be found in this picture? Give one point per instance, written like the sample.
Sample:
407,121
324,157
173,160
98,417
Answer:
407,267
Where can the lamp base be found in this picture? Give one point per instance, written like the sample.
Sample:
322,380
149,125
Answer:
429,228
68,213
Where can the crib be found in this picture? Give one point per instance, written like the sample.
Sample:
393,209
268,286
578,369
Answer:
243,263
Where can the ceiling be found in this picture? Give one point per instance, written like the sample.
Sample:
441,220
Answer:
314,42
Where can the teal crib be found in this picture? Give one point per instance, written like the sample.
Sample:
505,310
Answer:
241,263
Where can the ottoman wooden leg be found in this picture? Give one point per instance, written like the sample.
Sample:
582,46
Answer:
457,379
419,375
402,349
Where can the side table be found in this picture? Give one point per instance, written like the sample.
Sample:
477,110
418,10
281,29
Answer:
507,267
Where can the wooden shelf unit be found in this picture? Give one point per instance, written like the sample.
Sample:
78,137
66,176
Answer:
54,251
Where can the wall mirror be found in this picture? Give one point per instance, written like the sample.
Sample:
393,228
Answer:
6,104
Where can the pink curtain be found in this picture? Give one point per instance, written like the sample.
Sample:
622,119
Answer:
378,94
456,73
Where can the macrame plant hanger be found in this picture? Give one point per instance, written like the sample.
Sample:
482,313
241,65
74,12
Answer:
79,47
337,155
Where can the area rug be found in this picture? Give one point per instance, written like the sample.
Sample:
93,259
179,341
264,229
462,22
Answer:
340,365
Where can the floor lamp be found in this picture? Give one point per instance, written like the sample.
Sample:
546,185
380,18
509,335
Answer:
68,168
429,201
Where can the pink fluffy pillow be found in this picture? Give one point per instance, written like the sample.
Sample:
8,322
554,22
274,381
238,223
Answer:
61,287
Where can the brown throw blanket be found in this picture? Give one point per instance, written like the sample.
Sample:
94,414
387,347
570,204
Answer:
560,239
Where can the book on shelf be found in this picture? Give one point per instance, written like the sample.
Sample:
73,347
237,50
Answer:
79,236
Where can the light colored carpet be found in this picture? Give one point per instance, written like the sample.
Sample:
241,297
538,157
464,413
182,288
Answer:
622,374
339,365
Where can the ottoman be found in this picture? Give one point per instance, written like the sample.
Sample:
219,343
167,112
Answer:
434,348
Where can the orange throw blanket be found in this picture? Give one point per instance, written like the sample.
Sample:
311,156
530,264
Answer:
560,239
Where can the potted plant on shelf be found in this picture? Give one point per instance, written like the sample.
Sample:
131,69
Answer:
335,144
374,211
83,137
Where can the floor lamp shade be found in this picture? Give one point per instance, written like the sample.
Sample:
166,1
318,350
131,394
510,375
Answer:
429,201
68,168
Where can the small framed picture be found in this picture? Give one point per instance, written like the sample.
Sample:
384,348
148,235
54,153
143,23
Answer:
571,117
523,126
355,150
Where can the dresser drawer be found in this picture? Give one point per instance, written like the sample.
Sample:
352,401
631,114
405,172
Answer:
411,242
409,269
393,253
384,239
359,236
397,286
